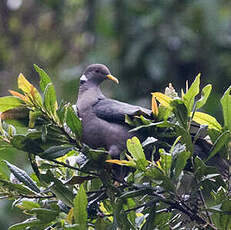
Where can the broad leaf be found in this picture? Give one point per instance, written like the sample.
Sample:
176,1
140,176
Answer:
9,102
136,150
31,224
29,89
23,177
162,98
50,101
80,208
58,188
180,111
226,107
190,95
206,119
221,141
74,122
56,151
44,78
180,157
204,95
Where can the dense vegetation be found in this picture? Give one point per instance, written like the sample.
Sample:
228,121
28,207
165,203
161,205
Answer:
73,186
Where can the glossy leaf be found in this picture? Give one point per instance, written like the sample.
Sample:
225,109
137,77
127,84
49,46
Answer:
59,189
44,78
43,214
190,95
221,141
29,89
163,99
80,208
179,160
206,119
31,223
74,122
226,107
9,102
23,177
28,205
204,96
50,101
180,111
56,151
136,150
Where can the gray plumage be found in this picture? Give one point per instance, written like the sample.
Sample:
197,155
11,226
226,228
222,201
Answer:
103,119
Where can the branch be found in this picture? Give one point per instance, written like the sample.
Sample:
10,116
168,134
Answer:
74,168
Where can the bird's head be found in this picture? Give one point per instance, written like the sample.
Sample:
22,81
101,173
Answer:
96,74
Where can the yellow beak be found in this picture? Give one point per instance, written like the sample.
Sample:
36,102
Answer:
109,76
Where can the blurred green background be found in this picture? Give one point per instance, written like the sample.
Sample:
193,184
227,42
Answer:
146,44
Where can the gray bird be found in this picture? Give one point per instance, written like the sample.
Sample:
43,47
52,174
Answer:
103,119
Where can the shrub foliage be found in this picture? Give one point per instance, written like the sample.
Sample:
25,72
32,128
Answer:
185,183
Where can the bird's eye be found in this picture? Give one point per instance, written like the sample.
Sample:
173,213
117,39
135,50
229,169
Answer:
97,71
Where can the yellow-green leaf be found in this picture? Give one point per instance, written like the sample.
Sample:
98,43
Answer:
206,119
226,106
204,95
29,89
122,162
9,102
189,96
80,209
163,99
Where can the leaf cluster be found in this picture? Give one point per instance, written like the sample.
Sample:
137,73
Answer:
183,184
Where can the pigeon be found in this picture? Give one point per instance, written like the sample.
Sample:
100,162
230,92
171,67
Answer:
103,119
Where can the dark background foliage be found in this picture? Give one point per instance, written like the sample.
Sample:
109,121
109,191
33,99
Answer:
146,44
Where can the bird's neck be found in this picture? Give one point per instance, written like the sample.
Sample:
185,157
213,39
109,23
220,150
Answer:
88,96
89,87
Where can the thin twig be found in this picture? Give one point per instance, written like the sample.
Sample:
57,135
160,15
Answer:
74,168
205,206
36,196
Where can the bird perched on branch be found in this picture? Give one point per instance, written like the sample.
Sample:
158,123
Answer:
103,119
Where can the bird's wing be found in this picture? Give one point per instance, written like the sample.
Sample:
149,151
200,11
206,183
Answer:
115,111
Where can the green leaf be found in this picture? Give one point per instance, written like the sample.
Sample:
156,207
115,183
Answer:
165,161
56,151
180,111
180,157
136,150
9,102
189,97
204,95
221,141
50,101
28,205
44,214
27,144
22,176
80,208
226,107
21,189
206,119
30,223
58,188
158,176
74,122
44,78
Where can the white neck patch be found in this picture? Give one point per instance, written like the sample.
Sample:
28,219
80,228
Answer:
83,78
